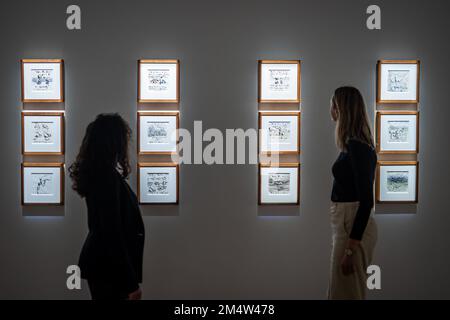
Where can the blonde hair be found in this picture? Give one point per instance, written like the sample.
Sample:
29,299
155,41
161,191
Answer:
352,119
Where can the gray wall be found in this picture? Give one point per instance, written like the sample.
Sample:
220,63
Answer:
216,244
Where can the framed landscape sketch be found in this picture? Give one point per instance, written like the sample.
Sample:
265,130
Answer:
42,80
158,81
397,182
279,184
398,81
157,132
42,133
279,81
279,132
42,184
158,183
397,132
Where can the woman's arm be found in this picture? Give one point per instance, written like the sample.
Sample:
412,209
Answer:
361,160
107,203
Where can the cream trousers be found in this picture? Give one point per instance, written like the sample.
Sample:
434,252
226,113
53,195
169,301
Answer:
352,286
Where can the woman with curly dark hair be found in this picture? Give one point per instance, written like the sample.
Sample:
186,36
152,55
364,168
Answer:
112,255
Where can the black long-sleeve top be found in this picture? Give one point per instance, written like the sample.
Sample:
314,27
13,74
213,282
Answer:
354,173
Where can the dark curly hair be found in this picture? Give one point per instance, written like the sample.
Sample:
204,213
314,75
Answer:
104,147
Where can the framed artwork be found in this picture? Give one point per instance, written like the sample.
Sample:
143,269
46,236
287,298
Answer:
42,133
279,81
42,184
42,80
159,81
157,132
397,132
398,81
279,132
397,182
158,183
279,184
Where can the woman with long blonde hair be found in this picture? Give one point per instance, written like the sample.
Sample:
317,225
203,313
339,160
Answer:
354,232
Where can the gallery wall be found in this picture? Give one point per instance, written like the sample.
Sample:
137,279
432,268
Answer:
218,243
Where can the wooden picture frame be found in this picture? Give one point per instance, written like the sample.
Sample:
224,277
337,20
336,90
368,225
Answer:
261,95
262,166
24,90
280,114
158,165
399,114
398,164
25,137
55,167
163,115
176,91
380,85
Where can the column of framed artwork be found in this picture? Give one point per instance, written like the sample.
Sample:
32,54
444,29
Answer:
397,131
279,118
157,131
43,137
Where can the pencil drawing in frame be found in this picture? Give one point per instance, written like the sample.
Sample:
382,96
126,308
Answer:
279,132
42,80
398,81
42,133
42,184
158,183
279,81
397,182
397,132
279,184
157,132
158,81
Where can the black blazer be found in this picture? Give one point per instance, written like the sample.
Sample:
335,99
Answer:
113,250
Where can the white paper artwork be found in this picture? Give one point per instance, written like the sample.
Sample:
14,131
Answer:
279,183
398,80
397,183
157,183
398,133
42,81
41,185
279,131
158,82
279,82
158,132
42,133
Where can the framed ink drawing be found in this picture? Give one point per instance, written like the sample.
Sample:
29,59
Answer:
398,81
279,81
279,132
397,132
159,81
42,80
157,132
42,133
397,182
42,184
279,184
158,183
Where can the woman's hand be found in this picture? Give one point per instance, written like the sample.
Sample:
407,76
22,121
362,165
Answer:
347,264
136,295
